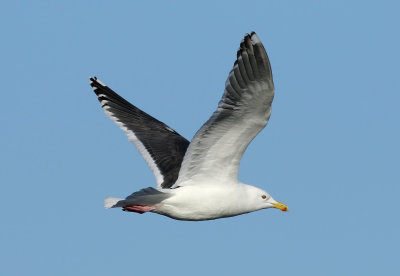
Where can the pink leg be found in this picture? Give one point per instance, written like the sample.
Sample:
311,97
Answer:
138,208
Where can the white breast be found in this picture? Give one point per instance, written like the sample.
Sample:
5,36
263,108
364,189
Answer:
207,201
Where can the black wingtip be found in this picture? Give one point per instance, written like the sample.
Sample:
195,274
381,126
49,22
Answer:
92,81
96,83
249,39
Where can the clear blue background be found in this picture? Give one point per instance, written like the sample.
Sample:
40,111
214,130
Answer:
331,149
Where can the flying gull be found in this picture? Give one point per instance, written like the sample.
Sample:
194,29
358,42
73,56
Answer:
198,180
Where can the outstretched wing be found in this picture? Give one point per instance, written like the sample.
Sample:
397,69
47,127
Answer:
161,146
244,110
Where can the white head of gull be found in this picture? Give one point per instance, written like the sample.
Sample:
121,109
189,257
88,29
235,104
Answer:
198,180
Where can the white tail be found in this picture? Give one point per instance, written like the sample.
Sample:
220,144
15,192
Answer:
110,202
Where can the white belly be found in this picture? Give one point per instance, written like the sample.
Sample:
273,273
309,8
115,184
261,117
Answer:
204,202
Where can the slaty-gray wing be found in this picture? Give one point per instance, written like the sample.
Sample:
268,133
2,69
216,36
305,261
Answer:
244,110
161,146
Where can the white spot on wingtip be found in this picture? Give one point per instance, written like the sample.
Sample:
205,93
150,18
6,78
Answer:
99,81
255,38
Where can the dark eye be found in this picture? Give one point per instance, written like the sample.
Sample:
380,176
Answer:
264,196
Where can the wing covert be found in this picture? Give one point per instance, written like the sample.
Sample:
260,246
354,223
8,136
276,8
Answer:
243,111
161,146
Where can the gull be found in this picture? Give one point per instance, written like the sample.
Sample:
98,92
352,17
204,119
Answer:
198,180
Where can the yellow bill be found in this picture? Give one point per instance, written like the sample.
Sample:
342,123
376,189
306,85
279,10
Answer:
280,206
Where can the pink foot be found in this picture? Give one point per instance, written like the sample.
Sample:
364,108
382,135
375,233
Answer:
138,208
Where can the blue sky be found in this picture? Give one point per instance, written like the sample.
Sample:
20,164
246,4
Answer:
330,152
